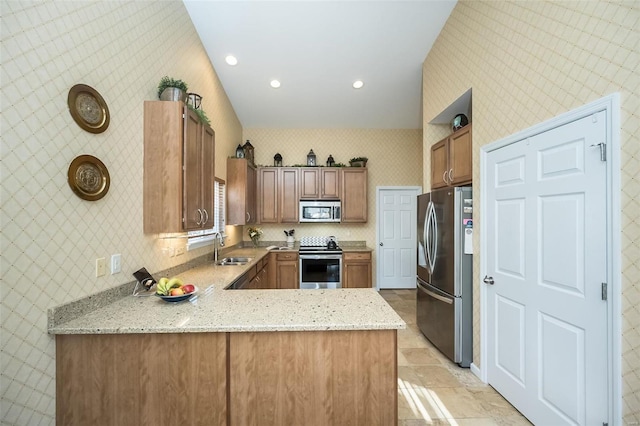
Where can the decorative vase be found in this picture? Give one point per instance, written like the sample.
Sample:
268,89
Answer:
173,94
255,241
290,241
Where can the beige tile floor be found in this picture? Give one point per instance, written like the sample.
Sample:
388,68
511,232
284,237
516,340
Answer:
433,390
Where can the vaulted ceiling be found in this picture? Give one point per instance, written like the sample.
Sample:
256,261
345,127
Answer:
317,50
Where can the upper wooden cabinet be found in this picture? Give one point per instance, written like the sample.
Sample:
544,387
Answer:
354,194
320,183
451,160
241,192
278,194
179,171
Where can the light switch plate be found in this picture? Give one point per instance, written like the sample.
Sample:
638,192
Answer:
101,267
116,263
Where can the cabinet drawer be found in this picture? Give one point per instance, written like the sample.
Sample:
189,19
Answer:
287,256
356,255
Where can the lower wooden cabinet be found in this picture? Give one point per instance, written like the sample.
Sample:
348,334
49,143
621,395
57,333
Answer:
356,270
311,378
284,269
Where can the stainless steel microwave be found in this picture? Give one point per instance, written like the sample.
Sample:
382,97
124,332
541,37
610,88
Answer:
319,211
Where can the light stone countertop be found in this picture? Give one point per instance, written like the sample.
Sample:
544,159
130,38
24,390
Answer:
214,309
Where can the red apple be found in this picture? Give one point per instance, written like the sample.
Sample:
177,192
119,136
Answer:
188,288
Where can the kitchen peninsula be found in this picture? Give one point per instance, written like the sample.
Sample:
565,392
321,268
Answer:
230,357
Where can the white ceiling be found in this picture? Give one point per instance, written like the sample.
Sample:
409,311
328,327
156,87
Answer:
317,49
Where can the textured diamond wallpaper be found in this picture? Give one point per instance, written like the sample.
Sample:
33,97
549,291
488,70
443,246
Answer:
526,62
50,238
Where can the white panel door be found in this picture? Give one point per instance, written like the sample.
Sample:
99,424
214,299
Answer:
396,253
546,256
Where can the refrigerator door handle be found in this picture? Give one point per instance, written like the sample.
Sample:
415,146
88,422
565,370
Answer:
427,237
433,237
435,296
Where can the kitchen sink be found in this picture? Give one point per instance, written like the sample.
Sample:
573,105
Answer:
230,261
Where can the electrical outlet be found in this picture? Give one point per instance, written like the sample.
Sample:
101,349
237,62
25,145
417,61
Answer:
179,251
116,263
101,267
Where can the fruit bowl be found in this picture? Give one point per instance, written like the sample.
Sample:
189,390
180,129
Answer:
179,298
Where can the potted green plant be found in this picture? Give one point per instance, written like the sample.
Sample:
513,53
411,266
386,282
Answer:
358,162
171,89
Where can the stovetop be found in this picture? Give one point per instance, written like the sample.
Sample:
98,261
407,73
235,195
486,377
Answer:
318,245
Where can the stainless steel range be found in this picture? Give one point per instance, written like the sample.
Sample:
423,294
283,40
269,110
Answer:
320,263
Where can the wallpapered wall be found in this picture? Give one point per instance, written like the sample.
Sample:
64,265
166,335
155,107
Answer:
49,238
530,61
395,159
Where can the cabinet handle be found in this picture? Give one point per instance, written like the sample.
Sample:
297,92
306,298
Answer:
199,222
450,175
444,177
206,216
248,217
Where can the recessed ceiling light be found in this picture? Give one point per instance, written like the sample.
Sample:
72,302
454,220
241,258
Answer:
275,84
358,84
231,60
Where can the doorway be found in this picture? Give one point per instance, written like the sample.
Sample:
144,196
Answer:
396,252
550,283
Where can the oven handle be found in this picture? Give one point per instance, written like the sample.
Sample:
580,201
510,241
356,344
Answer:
320,256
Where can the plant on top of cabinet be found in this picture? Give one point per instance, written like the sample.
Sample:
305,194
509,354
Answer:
171,89
358,162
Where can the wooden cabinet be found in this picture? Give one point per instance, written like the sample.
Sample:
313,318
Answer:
354,195
451,160
278,195
356,270
179,171
320,183
284,270
241,192
259,275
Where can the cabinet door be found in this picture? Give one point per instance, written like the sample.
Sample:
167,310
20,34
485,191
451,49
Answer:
193,215
287,270
460,157
356,270
309,183
439,164
330,183
289,195
354,194
268,198
241,192
208,175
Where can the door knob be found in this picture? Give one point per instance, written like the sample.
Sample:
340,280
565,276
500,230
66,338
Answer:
488,280
381,244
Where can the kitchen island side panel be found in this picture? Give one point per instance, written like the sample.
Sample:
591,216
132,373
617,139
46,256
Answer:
141,379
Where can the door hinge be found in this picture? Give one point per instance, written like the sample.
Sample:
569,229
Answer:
604,291
603,150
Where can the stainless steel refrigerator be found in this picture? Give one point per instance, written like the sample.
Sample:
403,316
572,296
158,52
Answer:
445,267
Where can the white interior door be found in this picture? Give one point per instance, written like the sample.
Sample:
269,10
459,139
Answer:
547,329
396,223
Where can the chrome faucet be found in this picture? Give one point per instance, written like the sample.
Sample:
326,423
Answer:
218,241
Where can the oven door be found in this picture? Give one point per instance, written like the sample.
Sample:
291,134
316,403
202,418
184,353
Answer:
320,271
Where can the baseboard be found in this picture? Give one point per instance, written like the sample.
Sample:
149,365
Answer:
476,371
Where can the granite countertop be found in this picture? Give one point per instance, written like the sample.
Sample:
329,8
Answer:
214,309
